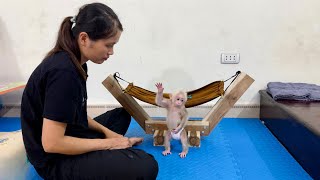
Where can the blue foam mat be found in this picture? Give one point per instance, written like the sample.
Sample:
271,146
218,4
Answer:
236,149
8,124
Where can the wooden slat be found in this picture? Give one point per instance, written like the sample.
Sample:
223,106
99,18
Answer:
231,96
201,126
129,103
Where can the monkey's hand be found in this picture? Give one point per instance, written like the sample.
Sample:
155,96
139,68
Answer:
175,131
166,152
159,86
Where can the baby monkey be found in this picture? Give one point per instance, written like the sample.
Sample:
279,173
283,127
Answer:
176,120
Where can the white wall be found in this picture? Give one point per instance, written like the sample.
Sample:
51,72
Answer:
177,42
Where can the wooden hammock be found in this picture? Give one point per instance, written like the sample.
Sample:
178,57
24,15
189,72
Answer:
195,129
195,97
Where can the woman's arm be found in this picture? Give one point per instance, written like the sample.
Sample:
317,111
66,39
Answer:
55,141
94,125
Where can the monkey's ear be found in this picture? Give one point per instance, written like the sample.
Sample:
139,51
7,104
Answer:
170,95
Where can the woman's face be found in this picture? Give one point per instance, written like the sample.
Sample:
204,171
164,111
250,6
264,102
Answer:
97,51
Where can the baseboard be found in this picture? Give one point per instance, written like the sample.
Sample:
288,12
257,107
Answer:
10,110
237,111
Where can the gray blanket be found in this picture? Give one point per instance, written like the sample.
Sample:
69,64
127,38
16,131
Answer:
294,91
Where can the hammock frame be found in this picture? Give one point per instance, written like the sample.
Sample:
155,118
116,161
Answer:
194,129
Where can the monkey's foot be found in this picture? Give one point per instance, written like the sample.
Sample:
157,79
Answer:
183,154
166,152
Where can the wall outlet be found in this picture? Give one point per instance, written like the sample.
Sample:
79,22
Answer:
230,58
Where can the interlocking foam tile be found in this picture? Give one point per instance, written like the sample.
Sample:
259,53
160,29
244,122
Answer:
32,174
8,124
238,148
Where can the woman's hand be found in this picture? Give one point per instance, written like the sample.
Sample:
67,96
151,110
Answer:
135,141
122,142
118,143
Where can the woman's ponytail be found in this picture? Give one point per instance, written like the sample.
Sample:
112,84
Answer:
67,42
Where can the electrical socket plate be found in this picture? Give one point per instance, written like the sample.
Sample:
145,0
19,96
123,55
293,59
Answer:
230,58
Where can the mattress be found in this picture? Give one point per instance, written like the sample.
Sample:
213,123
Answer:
13,160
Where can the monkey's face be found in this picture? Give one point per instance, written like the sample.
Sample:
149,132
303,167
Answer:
179,100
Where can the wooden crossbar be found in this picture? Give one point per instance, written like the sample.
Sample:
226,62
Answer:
202,126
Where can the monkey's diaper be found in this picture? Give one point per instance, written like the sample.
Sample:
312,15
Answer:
176,136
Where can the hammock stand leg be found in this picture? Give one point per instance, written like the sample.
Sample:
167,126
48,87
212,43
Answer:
193,138
225,103
158,137
128,102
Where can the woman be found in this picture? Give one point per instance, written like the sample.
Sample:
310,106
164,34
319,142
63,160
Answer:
61,141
